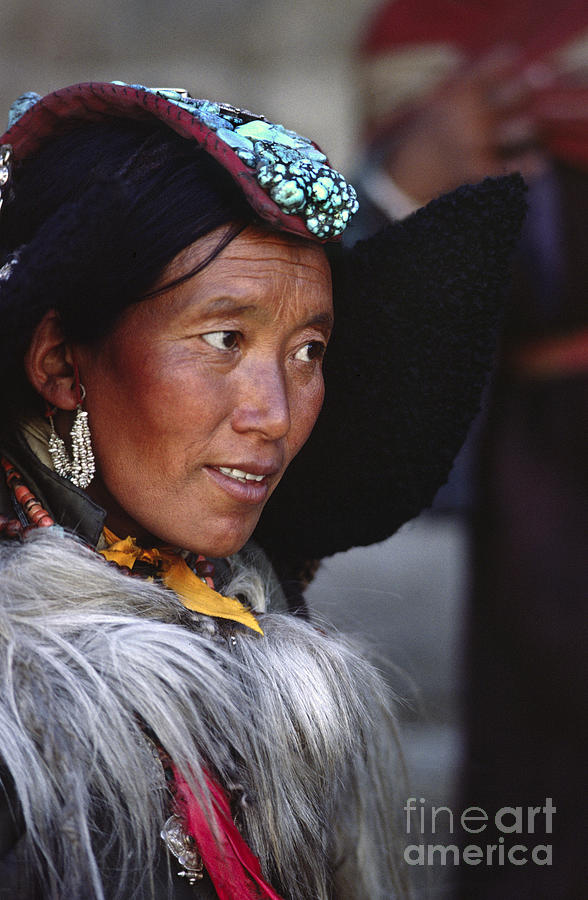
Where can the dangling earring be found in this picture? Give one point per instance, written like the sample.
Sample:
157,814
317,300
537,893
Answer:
81,467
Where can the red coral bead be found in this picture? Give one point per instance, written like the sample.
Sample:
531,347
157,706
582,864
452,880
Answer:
22,494
45,521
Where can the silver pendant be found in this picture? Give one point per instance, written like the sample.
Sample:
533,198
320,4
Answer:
183,847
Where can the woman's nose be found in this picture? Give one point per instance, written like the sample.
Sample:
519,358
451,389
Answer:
262,403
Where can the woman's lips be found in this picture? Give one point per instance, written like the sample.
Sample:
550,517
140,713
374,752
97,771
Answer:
242,485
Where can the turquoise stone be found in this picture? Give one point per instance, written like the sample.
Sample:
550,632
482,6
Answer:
189,105
235,140
322,188
257,131
175,94
289,194
248,158
314,153
265,131
21,105
286,154
211,120
265,176
265,154
319,192
209,106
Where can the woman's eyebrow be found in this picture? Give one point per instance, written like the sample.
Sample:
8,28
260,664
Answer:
227,305
323,319
230,306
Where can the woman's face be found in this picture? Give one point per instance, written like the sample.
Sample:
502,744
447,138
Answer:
200,397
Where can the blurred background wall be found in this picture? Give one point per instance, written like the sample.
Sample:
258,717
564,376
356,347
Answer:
282,58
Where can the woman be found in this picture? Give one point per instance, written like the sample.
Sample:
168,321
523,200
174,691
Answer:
166,304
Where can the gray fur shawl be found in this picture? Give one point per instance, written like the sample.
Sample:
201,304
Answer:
294,724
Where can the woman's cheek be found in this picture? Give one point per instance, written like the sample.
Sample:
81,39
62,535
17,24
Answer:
309,406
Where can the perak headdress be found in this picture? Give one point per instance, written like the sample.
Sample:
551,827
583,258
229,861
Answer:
285,177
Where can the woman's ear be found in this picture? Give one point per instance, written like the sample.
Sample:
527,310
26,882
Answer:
49,363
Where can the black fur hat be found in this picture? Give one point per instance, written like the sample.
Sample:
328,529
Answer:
417,309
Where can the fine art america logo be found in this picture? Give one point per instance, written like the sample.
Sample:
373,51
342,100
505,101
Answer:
515,827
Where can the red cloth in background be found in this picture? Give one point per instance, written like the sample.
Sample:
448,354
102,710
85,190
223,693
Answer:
549,40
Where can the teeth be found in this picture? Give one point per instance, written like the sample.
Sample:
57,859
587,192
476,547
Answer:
239,475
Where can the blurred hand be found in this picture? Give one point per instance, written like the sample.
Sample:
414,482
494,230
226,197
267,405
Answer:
478,124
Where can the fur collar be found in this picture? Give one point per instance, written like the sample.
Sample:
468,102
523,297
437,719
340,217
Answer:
294,724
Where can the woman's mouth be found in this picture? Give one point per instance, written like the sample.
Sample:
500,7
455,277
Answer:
241,484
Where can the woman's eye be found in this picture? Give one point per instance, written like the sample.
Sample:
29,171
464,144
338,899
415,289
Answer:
311,351
221,340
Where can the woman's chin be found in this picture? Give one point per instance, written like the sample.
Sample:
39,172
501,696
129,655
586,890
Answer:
196,527
215,541
220,549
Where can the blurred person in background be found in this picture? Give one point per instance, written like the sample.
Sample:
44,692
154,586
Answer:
454,91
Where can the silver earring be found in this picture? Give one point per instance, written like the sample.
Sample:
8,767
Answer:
80,468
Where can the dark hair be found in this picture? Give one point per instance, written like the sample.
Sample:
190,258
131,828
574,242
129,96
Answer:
98,213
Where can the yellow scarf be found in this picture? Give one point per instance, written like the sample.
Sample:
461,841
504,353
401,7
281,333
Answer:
177,575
